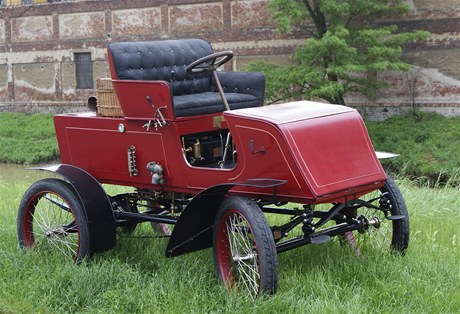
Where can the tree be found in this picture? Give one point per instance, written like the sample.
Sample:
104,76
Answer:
347,39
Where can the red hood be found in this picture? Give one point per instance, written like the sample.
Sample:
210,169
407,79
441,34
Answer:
329,144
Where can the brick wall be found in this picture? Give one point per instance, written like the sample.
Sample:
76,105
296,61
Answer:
38,42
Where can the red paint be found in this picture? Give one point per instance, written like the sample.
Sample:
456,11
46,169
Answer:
323,151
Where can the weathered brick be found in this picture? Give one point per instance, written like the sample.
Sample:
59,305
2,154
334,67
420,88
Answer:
2,31
30,29
425,9
4,95
35,81
82,25
48,34
135,22
243,61
250,13
196,18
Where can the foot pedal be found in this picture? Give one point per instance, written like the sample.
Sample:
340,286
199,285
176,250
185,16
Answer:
320,239
396,217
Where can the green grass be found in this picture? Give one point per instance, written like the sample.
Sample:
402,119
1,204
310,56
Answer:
429,146
136,277
27,139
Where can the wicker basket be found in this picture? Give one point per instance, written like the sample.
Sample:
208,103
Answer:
107,101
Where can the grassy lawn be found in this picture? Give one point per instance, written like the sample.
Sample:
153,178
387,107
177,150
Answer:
27,139
136,277
429,146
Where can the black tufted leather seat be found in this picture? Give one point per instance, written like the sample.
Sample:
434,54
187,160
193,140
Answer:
192,94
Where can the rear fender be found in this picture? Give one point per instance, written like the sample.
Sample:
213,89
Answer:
96,205
194,228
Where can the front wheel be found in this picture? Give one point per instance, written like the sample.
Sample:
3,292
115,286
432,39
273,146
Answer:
391,231
244,250
51,218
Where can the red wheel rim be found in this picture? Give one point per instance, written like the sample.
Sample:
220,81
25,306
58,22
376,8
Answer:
50,219
237,253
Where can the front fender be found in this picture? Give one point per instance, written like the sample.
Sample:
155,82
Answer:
96,205
193,229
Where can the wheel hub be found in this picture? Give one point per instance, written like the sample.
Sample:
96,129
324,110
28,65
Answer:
247,257
375,222
60,232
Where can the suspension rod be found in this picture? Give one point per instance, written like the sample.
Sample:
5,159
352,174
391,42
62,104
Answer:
141,217
304,240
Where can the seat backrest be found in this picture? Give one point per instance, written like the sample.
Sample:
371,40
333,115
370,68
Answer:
155,60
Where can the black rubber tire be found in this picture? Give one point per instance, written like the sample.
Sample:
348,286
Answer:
255,251
401,230
391,234
51,217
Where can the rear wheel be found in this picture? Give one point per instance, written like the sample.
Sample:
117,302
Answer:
388,231
51,218
244,250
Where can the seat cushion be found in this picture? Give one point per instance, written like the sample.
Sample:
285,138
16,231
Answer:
156,60
210,102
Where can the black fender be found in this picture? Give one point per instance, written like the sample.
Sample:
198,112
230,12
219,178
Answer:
194,227
96,204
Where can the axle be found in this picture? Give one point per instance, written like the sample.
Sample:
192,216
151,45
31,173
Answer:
142,217
361,224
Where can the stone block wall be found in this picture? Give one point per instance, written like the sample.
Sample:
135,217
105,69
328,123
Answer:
38,43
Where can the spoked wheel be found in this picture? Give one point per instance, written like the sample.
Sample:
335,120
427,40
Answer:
244,250
51,217
385,231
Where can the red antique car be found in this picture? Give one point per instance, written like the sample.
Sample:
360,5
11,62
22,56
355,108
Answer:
206,157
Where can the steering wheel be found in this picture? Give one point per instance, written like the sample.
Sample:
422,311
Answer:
209,63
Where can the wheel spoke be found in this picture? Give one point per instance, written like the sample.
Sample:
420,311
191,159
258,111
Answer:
67,247
240,232
61,204
51,216
380,233
243,254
